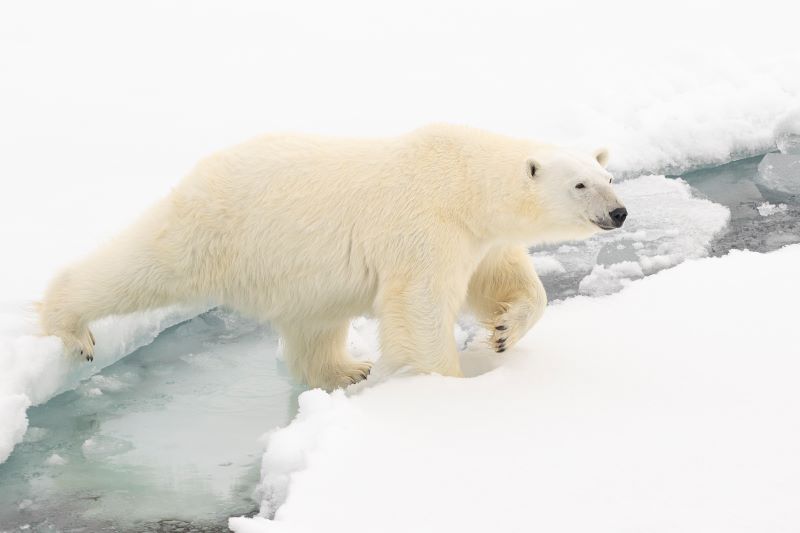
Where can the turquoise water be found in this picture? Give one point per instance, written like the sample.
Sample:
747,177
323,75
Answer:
170,432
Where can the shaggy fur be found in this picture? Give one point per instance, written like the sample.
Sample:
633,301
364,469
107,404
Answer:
308,232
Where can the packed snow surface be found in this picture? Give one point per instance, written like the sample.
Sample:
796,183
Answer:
670,406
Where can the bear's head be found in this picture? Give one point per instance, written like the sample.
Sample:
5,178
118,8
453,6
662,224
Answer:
561,194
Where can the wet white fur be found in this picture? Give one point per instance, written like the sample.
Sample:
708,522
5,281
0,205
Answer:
308,232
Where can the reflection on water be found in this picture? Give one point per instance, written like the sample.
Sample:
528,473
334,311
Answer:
170,432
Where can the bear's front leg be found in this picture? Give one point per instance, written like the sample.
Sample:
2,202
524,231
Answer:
416,326
506,295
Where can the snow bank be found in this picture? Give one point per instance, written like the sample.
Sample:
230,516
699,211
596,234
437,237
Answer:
15,423
34,368
670,406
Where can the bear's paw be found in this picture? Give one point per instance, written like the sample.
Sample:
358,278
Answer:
79,344
352,372
512,324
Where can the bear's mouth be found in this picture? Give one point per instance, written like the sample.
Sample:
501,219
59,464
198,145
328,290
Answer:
604,225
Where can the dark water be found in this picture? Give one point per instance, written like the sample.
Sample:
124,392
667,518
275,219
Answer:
733,185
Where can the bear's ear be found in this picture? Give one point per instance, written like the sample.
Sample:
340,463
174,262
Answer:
601,154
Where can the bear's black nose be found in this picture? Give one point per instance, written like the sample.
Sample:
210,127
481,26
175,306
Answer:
618,215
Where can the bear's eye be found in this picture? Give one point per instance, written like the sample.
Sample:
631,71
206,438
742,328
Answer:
580,186
609,181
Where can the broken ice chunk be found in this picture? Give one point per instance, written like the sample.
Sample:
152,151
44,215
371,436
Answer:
766,209
101,446
779,176
547,264
610,279
55,460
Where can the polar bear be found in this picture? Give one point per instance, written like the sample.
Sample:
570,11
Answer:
308,232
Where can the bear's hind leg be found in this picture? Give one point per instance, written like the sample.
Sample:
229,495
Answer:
122,277
316,353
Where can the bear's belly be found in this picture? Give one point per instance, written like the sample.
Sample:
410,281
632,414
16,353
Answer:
319,297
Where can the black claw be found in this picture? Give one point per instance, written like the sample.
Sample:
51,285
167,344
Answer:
501,350
502,340
501,328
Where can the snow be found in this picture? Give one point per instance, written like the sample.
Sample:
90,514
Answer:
610,279
787,133
678,416
766,209
547,264
12,413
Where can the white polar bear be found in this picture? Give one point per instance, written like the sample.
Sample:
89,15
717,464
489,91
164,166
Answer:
308,232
